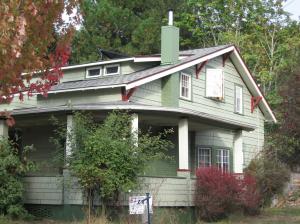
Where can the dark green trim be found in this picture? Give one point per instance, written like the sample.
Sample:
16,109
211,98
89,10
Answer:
170,90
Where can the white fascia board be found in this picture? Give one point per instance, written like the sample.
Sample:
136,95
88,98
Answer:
96,63
152,59
85,65
178,68
250,78
83,89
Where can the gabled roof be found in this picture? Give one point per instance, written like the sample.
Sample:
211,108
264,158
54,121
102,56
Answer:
141,77
123,80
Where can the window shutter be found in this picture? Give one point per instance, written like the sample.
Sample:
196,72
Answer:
214,83
238,99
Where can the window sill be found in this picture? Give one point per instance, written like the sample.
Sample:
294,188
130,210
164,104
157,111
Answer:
242,114
216,99
186,99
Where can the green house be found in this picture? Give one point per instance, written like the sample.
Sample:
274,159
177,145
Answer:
208,96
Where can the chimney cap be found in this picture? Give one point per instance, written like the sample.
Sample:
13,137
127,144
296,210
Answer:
170,23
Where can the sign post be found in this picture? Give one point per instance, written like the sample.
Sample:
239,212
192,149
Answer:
137,205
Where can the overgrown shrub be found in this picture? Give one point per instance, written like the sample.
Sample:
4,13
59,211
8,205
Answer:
271,175
219,194
13,165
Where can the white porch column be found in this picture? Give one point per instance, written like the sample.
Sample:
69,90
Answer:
183,147
67,180
238,154
68,135
3,128
135,126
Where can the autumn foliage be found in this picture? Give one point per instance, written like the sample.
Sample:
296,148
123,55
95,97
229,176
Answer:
34,45
219,194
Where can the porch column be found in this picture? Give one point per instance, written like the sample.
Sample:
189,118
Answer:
3,127
238,154
135,126
183,147
68,137
67,179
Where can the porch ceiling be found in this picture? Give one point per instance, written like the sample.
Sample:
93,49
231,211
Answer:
158,114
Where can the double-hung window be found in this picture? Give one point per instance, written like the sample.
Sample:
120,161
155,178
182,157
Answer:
222,159
238,101
203,157
185,86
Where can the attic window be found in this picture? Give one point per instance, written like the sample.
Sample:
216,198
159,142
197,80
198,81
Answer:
112,69
215,84
93,72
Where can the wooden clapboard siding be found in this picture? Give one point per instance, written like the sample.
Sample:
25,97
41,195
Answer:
166,191
43,190
149,93
89,96
252,141
73,75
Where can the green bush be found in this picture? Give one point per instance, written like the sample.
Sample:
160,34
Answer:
13,165
270,173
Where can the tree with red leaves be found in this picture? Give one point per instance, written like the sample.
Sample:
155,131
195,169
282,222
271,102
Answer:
34,45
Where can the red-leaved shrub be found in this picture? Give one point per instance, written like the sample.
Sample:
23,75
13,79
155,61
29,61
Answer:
219,193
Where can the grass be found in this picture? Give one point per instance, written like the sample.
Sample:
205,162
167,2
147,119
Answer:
268,216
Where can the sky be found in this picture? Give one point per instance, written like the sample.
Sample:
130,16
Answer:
293,7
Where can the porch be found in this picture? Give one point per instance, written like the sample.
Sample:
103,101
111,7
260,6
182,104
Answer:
171,182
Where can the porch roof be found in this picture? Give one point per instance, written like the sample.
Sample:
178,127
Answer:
122,105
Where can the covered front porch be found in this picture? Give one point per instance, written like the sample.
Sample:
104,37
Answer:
171,182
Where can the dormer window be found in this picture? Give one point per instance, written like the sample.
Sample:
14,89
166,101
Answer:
215,84
93,72
112,69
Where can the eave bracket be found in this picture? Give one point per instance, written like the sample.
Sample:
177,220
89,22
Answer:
225,57
127,94
199,68
254,102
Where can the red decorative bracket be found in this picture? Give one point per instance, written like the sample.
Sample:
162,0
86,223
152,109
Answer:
225,57
254,102
127,94
199,68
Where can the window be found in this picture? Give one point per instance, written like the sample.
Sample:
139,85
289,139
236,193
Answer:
215,83
222,159
185,86
204,157
112,69
238,101
93,72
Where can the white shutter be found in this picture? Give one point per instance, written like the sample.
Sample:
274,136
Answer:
238,99
214,83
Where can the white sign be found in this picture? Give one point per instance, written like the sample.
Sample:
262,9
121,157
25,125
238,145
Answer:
138,205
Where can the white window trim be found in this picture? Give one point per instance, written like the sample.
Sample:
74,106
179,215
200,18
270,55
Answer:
241,109
223,85
189,97
93,76
198,154
222,159
109,66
